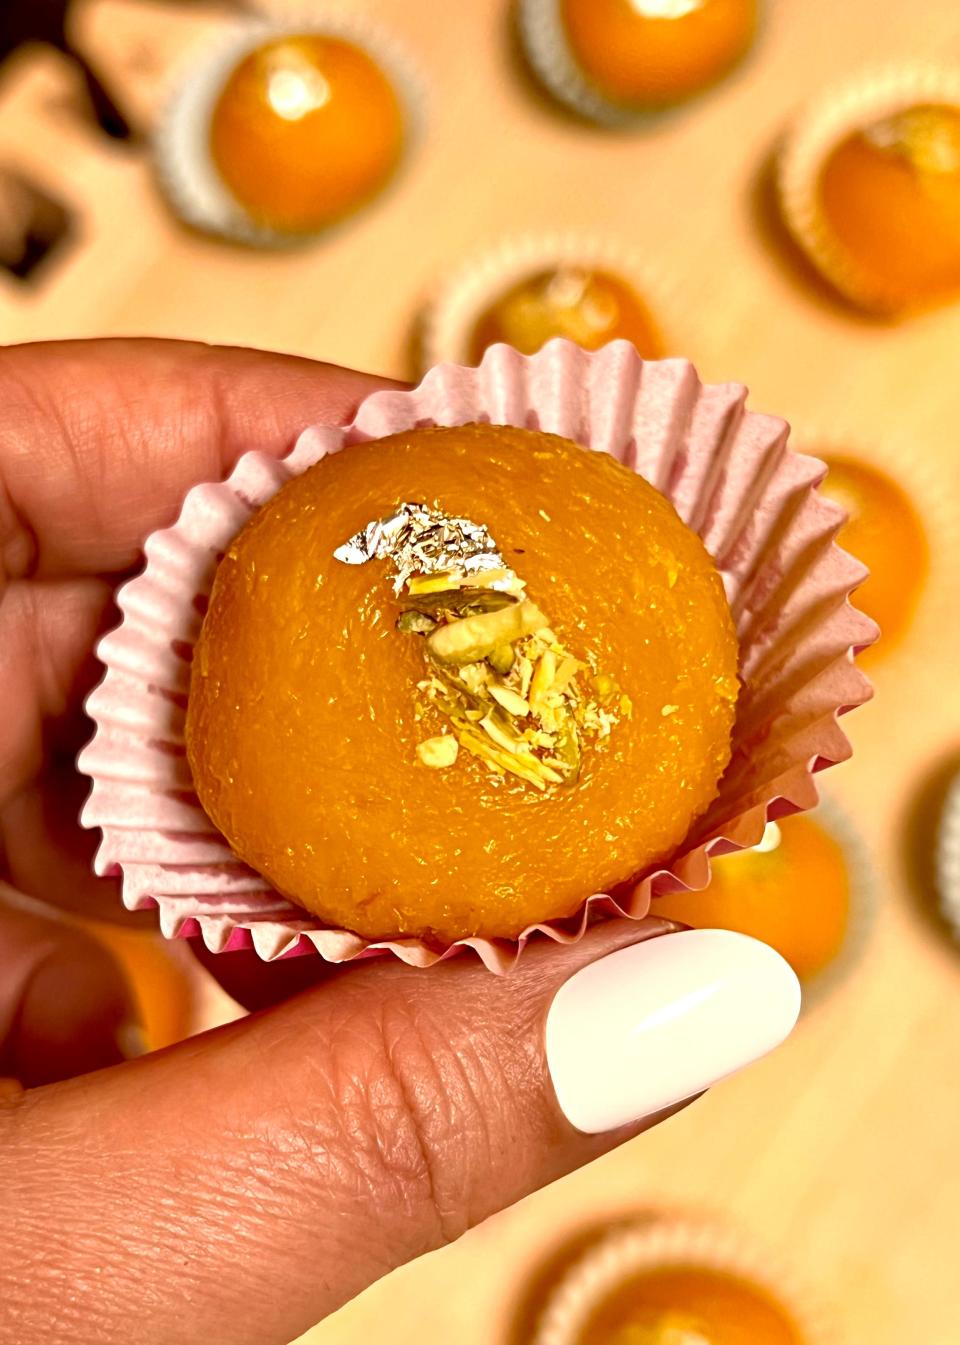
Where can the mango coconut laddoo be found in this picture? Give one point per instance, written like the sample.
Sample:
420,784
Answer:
453,681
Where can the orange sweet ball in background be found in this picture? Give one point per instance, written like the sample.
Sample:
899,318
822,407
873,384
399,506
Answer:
306,129
650,52
162,987
885,532
584,305
793,892
890,197
674,1305
309,709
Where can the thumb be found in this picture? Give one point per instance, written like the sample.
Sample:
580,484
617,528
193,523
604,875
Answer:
287,1161
65,1007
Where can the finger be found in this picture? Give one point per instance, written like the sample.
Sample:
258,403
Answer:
98,444
319,1144
101,439
65,1007
256,984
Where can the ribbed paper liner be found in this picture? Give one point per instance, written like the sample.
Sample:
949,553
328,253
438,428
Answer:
451,315
948,858
547,49
732,479
817,131
654,1244
181,141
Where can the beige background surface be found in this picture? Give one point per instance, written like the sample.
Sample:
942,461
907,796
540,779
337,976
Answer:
842,1149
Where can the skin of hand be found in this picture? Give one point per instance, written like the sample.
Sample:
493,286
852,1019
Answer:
243,1184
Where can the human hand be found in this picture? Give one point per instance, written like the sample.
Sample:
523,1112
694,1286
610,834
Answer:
240,1186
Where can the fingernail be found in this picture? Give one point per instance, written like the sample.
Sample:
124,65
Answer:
131,1040
653,1024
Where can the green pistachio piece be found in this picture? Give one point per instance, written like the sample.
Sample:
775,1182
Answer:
476,637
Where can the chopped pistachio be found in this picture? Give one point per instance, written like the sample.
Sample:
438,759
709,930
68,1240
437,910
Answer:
440,752
415,623
513,703
502,734
491,578
502,659
568,746
566,672
474,677
462,602
434,583
476,637
544,674
524,668
527,768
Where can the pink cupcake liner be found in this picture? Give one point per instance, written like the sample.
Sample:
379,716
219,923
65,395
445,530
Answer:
731,477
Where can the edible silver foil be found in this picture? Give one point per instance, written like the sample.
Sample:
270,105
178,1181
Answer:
420,540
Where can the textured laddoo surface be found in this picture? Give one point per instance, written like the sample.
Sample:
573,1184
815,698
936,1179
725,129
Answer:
305,718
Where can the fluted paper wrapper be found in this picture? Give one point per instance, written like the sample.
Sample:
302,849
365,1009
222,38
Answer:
732,479
660,1243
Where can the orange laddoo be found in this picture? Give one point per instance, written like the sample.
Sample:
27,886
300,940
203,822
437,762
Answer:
431,756
674,1304
645,53
161,984
792,892
889,195
306,128
885,532
584,305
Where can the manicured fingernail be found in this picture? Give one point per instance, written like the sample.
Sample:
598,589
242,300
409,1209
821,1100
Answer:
650,1025
131,1040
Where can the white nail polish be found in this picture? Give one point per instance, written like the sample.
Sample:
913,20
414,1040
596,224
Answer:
658,1022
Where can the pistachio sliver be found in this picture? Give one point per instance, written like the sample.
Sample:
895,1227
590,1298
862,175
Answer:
476,637
568,746
542,681
440,752
501,734
461,602
512,702
413,622
502,659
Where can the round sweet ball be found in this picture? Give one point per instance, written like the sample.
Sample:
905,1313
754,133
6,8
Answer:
306,129
452,682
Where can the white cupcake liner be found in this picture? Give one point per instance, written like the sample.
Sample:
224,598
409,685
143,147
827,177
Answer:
652,1244
732,479
451,315
181,141
948,858
547,48
827,121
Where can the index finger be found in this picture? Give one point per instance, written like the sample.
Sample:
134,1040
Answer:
100,440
